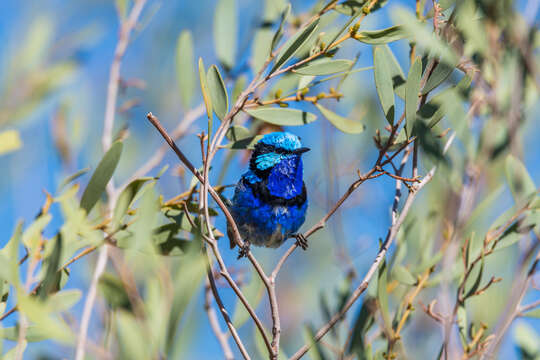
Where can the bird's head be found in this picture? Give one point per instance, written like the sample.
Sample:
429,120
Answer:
273,148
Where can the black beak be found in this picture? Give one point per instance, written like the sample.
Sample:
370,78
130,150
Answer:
301,150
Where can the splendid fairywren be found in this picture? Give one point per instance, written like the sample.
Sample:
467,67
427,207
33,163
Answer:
270,200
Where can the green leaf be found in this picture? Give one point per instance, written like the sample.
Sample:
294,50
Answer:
441,72
32,235
237,132
398,77
239,86
253,292
242,144
126,199
476,283
324,67
382,294
10,256
340,122
402,275
187,280
363,322
382,36
383,83
225,32
147,216
10,141
281,116
101,176
279,32
316,351
218,92
133,342
429,142
412,88
113,291
350,7
204,89
292,45
262,45
461,317
52,278
72,178
471,24
64,300
41,314
185,67
511,236
518,178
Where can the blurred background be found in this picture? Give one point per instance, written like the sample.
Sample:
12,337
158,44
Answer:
54,69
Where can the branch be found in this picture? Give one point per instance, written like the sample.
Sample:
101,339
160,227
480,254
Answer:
214,324
392,231
110,110
224,312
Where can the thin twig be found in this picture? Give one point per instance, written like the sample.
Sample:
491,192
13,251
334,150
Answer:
224,312
159,154
214,324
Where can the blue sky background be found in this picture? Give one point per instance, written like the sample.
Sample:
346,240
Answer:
25,174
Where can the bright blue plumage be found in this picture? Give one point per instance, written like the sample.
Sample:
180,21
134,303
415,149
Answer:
270,200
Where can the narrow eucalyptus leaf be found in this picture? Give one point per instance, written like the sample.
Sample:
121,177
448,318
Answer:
462,324
412,89
126,199
293,44
382,294
441,72
262,46
383,83
362,323
242,144
279,33
237,132
518,178
342,123
72,178
101,176
350,7
402,275
204,89
324,67
283,117
218,92
185,67
225,32
383,36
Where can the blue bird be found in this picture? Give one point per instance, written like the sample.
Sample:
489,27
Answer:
270,200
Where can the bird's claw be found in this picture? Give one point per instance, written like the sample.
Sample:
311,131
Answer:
301,241
244,250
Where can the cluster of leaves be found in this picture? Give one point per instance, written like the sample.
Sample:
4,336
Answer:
457,82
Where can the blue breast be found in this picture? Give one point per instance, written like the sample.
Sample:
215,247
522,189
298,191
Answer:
269,220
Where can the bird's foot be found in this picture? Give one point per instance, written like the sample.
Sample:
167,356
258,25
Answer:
244,250
301,241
